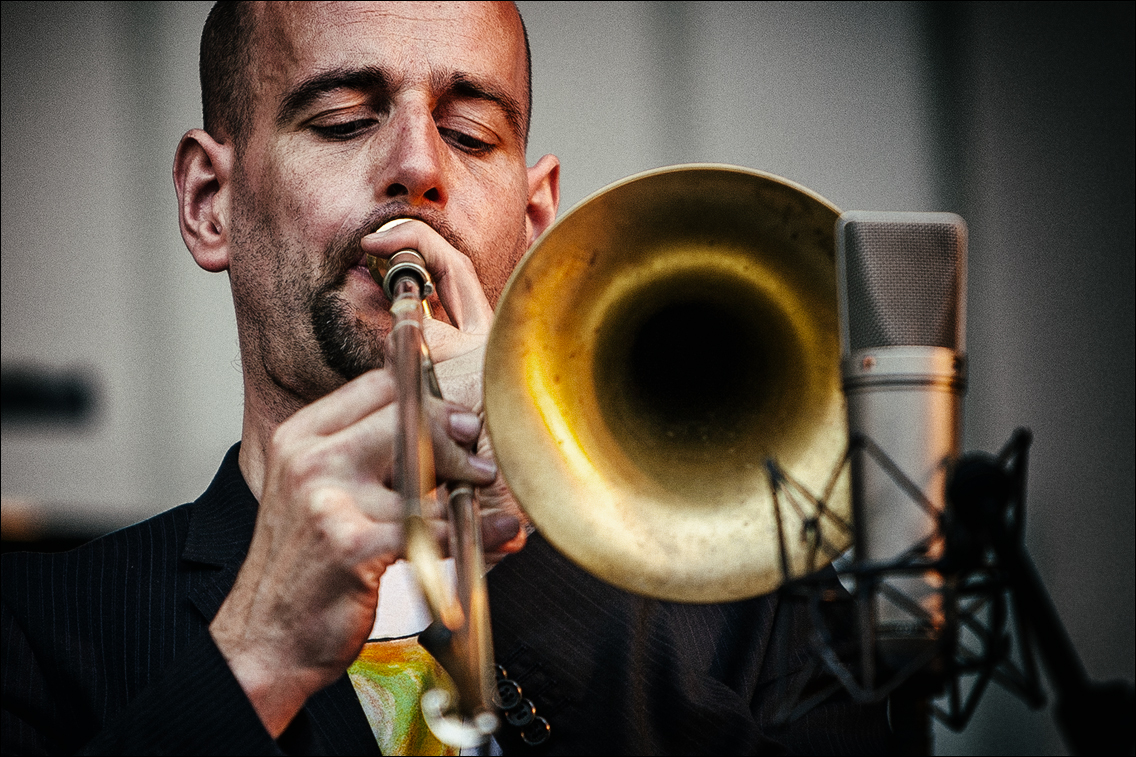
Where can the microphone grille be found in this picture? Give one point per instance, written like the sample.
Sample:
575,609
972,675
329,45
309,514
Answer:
903,279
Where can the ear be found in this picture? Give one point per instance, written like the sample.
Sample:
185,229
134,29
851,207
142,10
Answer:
202,170
544,196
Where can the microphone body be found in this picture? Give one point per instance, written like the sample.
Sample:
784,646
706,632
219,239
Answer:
907,401
902,290
902,310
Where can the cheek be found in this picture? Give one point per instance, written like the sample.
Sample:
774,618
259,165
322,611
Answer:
507,245
270,274
310,201
495,270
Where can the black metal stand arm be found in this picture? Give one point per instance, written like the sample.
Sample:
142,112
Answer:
983,566
1094,718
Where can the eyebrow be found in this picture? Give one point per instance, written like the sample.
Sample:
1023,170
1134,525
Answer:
466,86
446,85
309,90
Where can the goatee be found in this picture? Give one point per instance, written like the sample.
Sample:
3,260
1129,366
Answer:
349,345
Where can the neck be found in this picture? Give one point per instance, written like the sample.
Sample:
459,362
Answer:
252,458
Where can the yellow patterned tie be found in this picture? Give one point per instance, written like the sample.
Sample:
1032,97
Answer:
390,677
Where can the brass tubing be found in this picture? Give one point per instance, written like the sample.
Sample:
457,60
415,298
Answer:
414,450
477,680
462,642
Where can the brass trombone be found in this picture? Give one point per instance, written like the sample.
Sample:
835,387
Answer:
654,348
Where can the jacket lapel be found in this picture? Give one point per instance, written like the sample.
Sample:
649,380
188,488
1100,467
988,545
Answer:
220,529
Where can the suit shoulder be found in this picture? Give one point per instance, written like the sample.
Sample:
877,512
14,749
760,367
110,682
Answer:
116,556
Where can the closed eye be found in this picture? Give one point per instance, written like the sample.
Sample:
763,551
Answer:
345,130
466,142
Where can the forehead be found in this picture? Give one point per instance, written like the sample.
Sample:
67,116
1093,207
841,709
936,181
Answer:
410,40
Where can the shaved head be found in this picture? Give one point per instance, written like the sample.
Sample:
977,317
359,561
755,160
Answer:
228,60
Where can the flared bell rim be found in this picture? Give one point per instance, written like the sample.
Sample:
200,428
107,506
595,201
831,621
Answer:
634,533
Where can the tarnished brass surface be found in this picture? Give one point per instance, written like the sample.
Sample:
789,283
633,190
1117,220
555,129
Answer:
654,348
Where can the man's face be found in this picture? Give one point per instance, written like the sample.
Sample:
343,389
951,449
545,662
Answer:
364,113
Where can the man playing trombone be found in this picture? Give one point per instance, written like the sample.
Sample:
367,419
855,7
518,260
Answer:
230,624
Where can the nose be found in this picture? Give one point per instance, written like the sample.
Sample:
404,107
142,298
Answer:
415,170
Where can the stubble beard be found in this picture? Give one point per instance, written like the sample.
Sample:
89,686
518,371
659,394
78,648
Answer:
349,345
301,331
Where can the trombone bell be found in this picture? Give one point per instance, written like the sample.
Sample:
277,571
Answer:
654,348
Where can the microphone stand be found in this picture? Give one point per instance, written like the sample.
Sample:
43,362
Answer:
909,713
1094,718
984,559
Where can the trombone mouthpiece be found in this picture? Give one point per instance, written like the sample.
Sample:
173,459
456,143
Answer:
408,262
386,271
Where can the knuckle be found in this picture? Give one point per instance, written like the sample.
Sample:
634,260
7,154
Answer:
379,383
377,378
283,438
332,521
304,468
308,463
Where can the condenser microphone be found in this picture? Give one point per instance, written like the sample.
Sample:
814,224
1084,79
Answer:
902,305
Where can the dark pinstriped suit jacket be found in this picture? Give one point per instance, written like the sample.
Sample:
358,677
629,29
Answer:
106,649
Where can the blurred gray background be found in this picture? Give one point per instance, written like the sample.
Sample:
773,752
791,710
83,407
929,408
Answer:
1017,116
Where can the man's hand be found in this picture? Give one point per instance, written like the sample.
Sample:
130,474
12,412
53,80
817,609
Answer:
458,350
463,325
328,526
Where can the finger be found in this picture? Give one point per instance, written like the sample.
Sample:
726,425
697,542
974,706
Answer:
498,529
464,426
377,430
360,525
346,405
455,277
364,451
385,536
452,461
499,510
